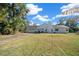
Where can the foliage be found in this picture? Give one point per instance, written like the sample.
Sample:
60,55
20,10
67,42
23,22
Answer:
71,23
61,21
12,17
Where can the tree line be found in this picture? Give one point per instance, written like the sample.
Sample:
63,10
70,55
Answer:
13,18
72,23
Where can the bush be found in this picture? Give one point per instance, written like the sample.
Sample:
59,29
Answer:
71,30
7,31
77,32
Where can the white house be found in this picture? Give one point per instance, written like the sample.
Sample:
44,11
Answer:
48,28
60,29
31,28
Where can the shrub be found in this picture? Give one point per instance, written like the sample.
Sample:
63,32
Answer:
77,32
7,31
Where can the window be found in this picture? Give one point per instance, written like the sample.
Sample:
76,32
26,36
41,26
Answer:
45,30
38,29
42,28
56,29
51,30
67,30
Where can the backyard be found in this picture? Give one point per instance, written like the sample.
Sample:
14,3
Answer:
25,44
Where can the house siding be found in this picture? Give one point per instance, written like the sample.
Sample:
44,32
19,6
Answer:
47,28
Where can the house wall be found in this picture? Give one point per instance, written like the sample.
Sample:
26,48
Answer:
45,28
48,29
61,30
31,28
52,29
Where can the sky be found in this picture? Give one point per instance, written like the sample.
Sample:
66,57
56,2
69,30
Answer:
47,12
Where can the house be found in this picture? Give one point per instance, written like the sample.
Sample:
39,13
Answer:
60,29
31,28
48,28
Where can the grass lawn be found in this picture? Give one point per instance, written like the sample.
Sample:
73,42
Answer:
39,45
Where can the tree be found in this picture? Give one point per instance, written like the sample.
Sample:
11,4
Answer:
3,11
61,21
72,24
13,19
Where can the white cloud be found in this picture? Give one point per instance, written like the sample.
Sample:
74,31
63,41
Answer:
75,14
34,9
37,24
41,18
60,16
54,23
31,23
69,6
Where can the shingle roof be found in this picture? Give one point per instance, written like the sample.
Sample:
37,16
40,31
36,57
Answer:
60,26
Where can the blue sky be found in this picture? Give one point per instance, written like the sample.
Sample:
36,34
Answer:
45,12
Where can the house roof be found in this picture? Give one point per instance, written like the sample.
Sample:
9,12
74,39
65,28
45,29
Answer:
54,26
60,26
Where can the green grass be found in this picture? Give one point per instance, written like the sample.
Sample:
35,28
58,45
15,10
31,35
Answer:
39,45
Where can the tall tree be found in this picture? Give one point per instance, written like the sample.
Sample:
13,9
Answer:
3,11
61,21
72,24
15,18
